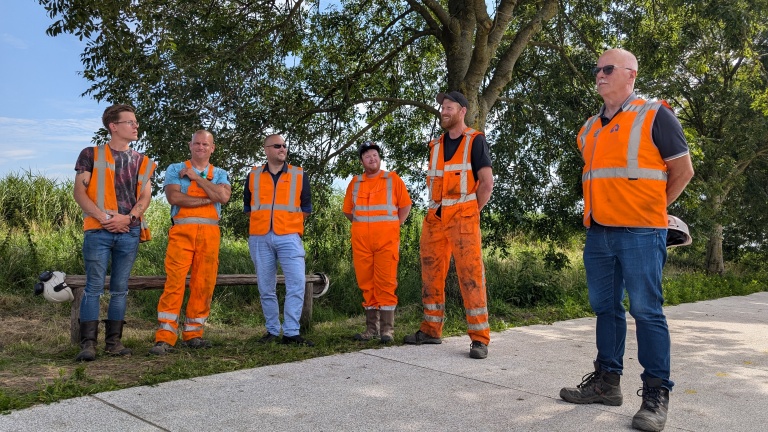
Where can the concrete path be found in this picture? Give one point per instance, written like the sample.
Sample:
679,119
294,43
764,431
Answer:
720,367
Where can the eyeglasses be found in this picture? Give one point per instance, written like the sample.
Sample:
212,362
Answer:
607,69
130,123
277,146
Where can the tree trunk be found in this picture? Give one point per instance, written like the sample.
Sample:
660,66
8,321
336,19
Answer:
715,263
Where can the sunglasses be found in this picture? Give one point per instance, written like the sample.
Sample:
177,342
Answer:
607,69
277,146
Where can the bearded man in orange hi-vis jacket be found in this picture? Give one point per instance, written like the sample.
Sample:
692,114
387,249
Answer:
377,203
196,190
459,181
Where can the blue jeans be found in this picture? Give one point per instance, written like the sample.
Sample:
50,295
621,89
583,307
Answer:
99,246
266,251
629,258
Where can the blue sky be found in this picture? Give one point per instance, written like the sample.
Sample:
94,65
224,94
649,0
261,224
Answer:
44,122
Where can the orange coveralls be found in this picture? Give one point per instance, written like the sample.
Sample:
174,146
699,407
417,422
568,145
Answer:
456,231
374,204
193,241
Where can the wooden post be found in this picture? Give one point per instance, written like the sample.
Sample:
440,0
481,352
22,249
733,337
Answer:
77,283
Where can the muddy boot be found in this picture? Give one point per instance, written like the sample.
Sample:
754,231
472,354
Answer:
89,331
387,322
113,334
371,326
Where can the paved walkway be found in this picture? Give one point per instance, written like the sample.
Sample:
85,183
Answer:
720,366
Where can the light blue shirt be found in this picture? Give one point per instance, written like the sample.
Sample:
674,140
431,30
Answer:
172,178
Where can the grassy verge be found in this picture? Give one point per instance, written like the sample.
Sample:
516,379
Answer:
533,282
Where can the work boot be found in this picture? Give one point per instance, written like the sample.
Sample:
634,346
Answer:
296,340
478,350
89,332
420,337
653,412
161,348
197,343
387,320
371,326
596,387
113,330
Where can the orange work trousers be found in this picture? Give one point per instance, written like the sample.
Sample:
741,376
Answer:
375,254
195,247
456,233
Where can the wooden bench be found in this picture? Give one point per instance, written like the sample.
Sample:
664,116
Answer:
316,286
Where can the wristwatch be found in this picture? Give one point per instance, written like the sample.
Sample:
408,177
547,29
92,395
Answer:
133,217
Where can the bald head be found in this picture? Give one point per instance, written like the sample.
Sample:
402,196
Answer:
622,58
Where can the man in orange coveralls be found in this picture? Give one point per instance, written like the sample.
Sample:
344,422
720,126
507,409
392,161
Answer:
460,181
377,203
195,189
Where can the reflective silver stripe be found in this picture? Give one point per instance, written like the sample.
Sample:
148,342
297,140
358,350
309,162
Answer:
463,199
370,308
433,171
380,207
388,308
100,162
433,205
431,318
195,220
192,327
633,149
456,167
481,326
144,176
434,306
587,128
375,218
195,320
638,173
477,311
294,171
166,326
167,316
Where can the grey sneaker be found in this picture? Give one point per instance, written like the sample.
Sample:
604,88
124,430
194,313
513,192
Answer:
596,387
197,343
161,348
652,415
478,350
420,337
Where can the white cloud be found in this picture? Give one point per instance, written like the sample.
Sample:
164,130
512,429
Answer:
43,146
13,41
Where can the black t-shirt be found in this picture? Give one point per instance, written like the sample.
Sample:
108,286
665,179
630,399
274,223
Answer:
480,156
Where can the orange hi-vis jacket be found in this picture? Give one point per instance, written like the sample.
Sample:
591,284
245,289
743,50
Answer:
207,214
624,177
278,208
375,212
101,189
451,183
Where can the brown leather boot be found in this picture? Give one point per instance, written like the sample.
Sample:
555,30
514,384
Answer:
113,334
89,332
371,326
387,320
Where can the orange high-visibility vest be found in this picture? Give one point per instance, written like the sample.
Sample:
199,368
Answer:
624,177
369,209
278,208
451,182
207,214
101,189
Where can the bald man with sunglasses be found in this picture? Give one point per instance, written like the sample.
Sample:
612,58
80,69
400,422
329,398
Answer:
636,163
278,199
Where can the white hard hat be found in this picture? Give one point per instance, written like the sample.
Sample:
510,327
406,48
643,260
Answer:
677,232
53,288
